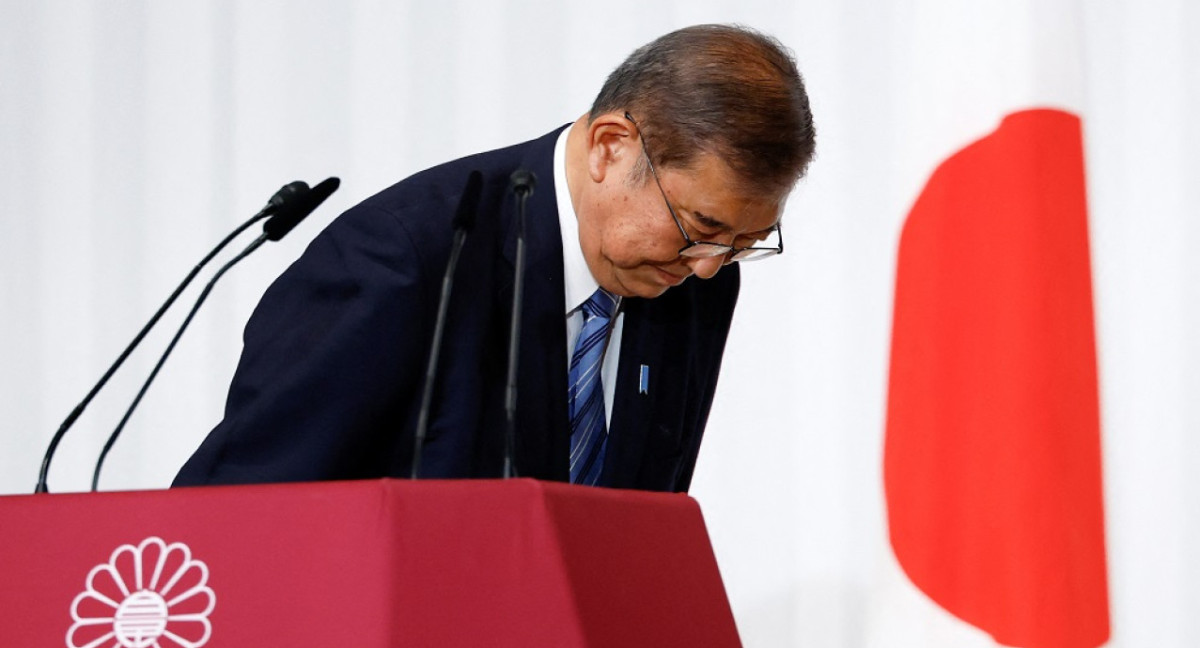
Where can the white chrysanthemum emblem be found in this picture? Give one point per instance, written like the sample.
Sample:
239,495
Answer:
153,595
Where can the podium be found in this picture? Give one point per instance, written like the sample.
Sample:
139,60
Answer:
371,564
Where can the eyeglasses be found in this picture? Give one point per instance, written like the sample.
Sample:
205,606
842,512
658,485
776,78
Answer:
707,249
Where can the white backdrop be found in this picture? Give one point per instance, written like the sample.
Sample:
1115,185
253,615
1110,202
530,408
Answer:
134,135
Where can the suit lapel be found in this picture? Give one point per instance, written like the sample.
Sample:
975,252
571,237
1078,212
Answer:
643,340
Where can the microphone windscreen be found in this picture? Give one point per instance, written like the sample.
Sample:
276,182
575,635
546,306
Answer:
295,211
468,205
523,181
287,193
323,190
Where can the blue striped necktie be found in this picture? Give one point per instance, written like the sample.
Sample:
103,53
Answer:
585,396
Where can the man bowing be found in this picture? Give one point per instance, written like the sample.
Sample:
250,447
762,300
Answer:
644,207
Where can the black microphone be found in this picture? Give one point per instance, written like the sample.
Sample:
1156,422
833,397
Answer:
521,183
292,213
283,200
285,196
289,214
464,220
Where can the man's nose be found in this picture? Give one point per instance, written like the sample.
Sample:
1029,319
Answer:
706,267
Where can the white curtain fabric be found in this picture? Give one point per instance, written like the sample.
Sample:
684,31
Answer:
134,135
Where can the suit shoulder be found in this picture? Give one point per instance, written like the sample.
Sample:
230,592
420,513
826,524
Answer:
440,187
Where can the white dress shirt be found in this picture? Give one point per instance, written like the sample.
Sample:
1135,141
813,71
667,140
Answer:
578,281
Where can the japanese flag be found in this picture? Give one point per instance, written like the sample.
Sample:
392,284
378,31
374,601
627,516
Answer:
991,465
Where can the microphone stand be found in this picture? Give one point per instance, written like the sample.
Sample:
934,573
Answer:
112,439
273,230
522,182
281,198
464,219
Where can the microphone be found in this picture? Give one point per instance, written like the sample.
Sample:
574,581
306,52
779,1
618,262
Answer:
521,183
288,214
284,197
282,200
464,220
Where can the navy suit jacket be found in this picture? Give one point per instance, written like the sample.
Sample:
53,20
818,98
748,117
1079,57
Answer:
329,382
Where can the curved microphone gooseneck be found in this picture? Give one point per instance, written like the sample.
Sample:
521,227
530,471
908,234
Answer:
274,229
286,195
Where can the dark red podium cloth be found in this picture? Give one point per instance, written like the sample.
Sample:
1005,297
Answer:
369,564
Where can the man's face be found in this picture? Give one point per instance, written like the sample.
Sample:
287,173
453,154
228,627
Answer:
629,239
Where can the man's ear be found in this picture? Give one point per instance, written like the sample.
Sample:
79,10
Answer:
610,139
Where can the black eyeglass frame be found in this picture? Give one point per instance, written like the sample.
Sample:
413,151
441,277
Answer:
707,249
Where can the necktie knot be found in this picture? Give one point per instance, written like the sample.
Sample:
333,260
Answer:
601,304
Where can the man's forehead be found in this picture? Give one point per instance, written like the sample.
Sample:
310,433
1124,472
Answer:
717,197
733,213
753,217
